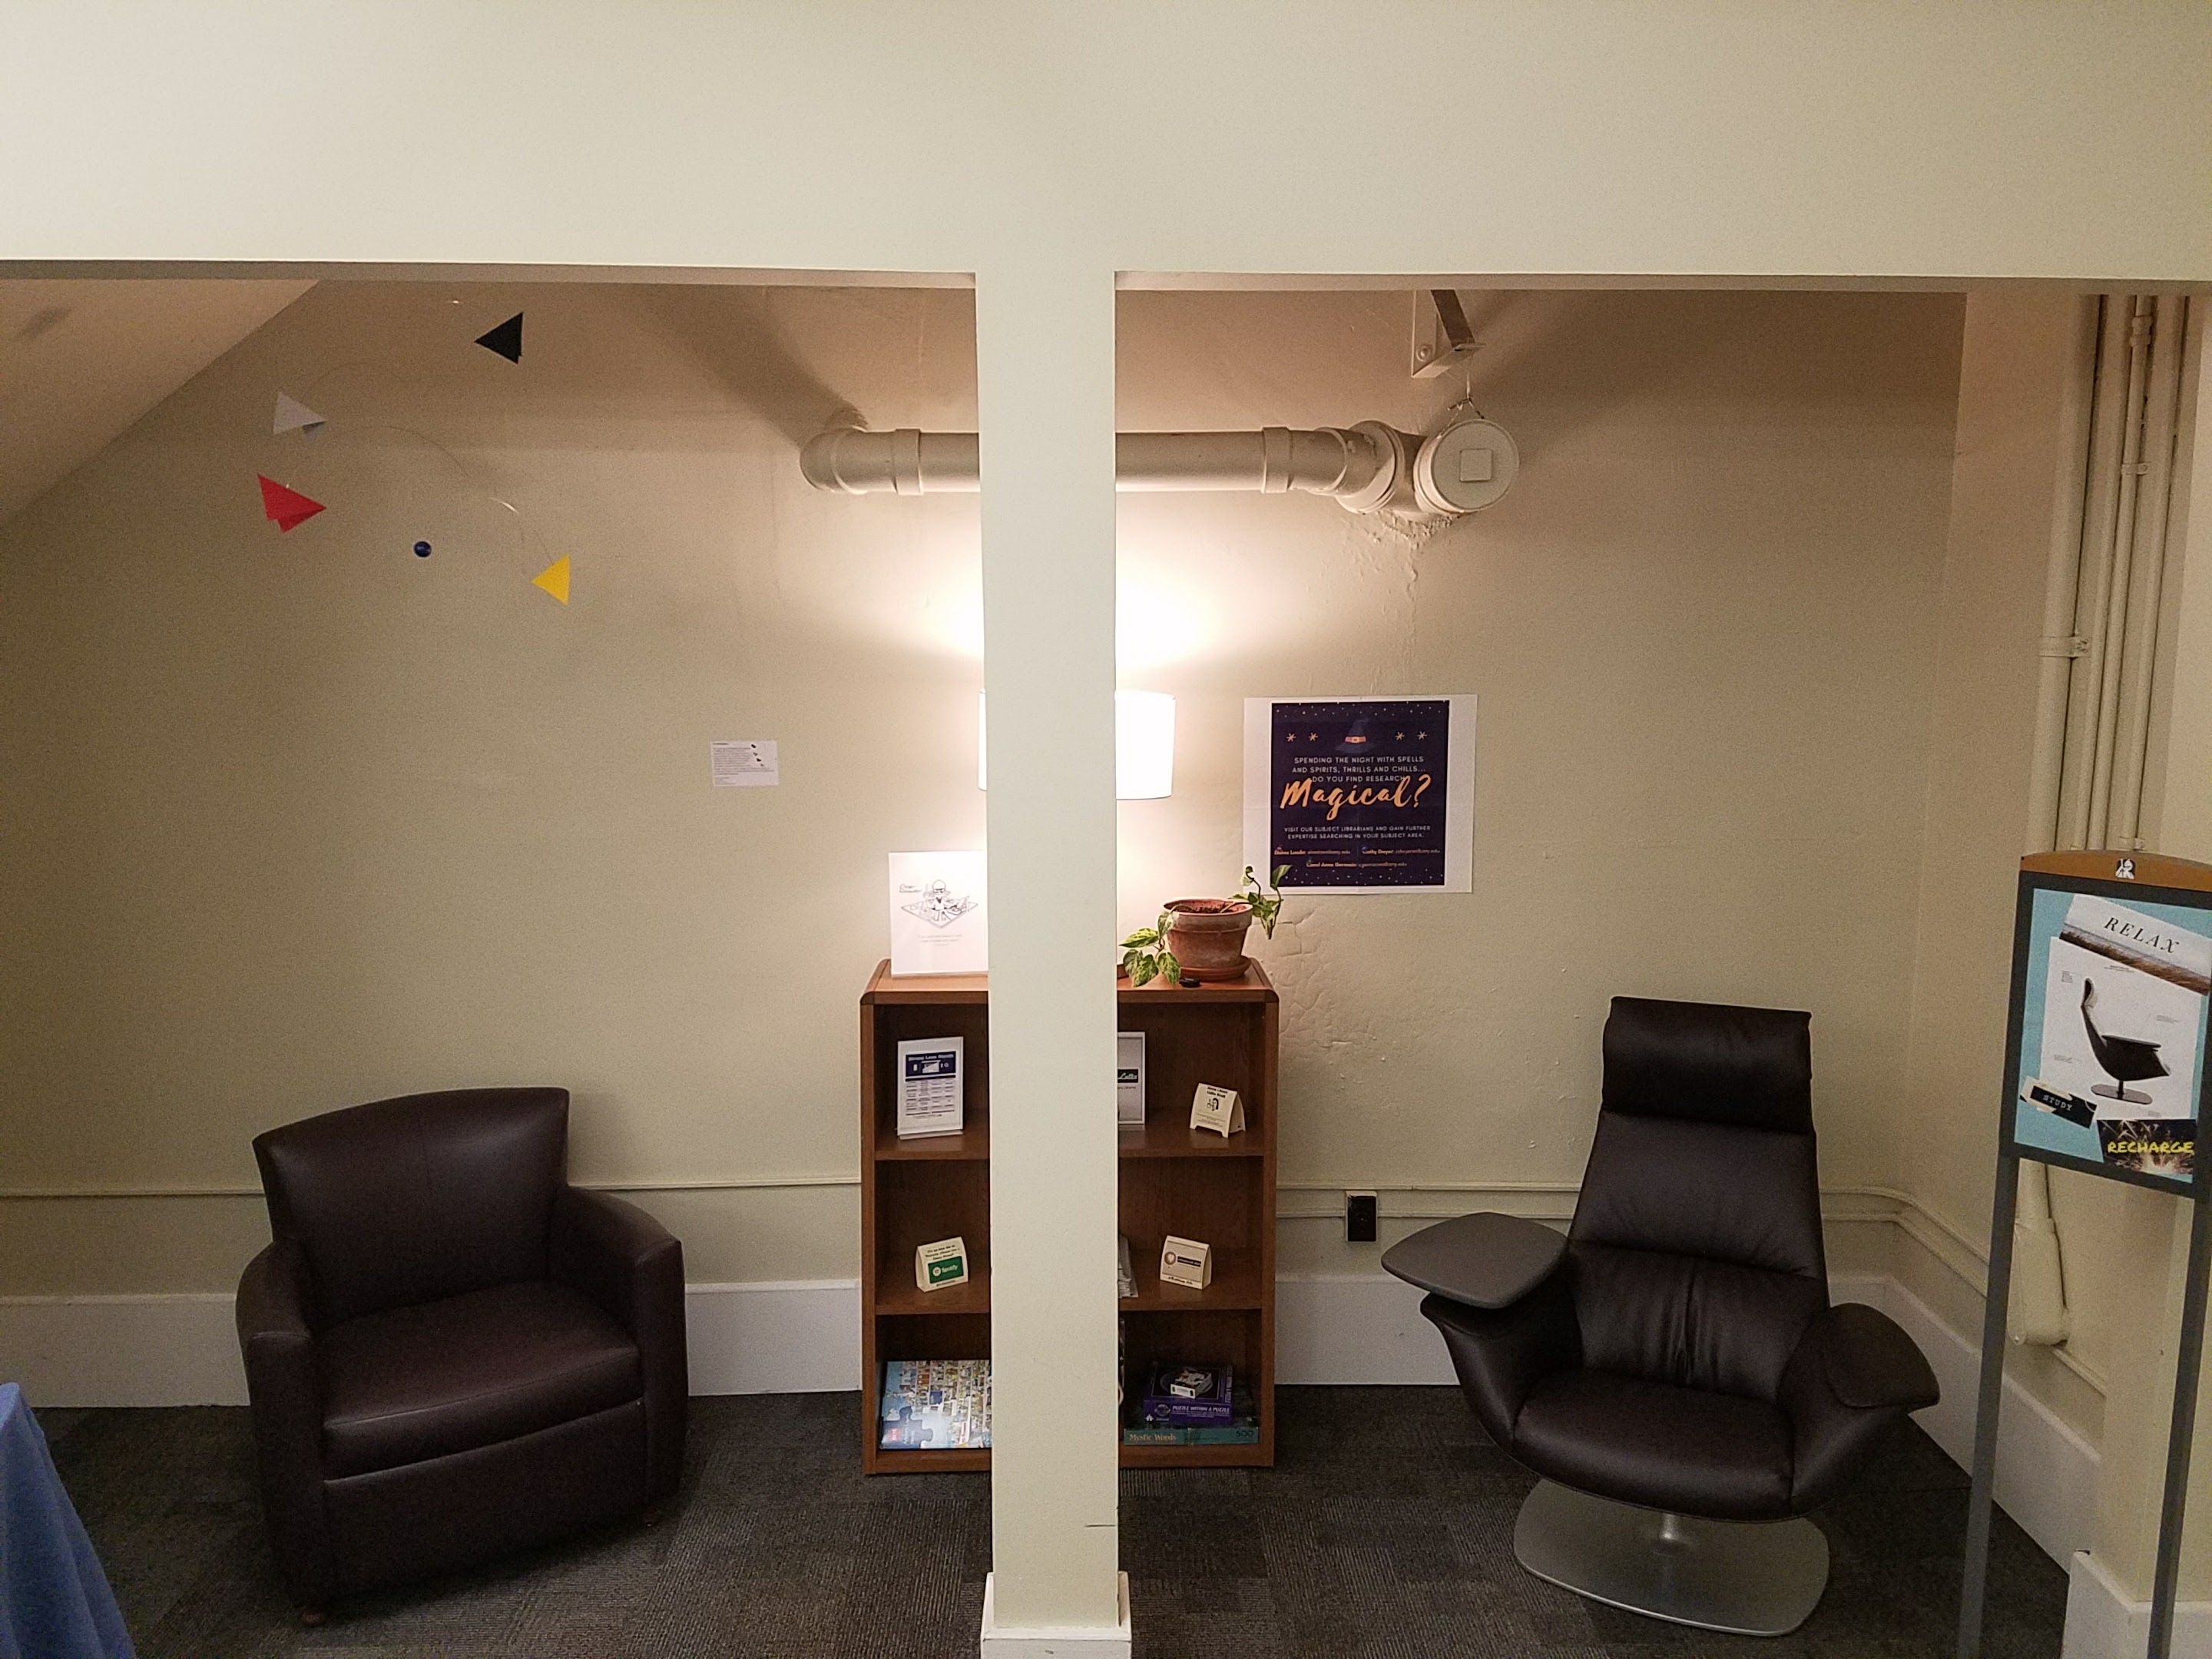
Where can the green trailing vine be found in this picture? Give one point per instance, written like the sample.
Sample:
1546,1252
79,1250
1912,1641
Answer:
1145,953
1145,956
1265,907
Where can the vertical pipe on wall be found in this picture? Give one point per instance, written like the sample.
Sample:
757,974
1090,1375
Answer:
2147,572
2062,585
1044,343
2100,516
2111,636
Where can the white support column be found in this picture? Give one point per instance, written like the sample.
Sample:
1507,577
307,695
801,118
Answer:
1044,352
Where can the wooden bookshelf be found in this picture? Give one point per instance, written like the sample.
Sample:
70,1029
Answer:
1173,1180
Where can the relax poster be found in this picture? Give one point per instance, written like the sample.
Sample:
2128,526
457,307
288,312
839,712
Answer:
2112,1033
1361,794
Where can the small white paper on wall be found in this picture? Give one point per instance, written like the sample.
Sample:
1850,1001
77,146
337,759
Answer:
747,765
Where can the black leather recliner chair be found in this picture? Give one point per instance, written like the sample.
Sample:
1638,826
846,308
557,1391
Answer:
1674,1363
450,1352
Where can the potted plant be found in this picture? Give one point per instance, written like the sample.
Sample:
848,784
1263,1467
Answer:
1202,938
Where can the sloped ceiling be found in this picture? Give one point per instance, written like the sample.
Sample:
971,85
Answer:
82,360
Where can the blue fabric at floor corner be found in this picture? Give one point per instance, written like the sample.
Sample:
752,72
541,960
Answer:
54,1600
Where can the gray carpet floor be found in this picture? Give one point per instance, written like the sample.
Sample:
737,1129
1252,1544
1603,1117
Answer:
1384,1532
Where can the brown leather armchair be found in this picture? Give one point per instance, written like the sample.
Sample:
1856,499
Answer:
1674,1368
450,1352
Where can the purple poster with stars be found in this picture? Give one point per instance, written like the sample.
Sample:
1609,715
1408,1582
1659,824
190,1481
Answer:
1361,794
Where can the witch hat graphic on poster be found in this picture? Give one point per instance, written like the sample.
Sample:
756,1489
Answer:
506,339
285,508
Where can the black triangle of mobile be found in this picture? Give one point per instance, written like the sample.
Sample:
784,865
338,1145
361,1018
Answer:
506,339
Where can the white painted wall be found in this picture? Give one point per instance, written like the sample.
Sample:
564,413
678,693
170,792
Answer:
306,820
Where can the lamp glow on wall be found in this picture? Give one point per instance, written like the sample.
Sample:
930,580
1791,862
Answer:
1144,746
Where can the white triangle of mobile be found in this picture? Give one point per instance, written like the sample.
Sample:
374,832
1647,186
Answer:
293,416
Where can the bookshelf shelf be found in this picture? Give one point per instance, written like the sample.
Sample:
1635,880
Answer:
1174,1179
968,1146
894,1295
1175,1138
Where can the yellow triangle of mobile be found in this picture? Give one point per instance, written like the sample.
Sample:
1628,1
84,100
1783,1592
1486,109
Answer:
554,579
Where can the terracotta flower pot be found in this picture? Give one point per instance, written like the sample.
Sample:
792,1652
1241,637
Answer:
1207,936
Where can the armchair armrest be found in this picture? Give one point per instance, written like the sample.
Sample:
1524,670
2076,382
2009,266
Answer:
1853,1374
1484,1260
632,1267
615,1254
1501,1354
284,1384
1867,1362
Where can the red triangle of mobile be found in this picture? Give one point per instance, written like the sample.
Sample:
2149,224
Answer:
286,507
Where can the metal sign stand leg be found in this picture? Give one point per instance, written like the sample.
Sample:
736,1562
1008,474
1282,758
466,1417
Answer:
2167,1578
1972,1591
2165,1583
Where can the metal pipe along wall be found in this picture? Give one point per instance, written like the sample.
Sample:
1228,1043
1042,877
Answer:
1368,468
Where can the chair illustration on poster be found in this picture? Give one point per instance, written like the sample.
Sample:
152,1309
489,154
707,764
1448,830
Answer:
2111,986
2128,1060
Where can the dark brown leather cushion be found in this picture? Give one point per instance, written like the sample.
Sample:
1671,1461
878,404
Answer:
1716,1455
417,1198
1690,1320
445,1376
1742,1196
1709,1061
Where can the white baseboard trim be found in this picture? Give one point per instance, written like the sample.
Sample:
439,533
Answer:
2103,1623
1056,1642
163,1350
797,1337
1354,1328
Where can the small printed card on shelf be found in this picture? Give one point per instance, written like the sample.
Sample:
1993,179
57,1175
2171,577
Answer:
1216,1109
1187,1262
929,1101
1129,1080
938,1266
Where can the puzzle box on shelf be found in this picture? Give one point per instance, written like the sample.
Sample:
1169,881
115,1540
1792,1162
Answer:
938,1405
1177,1392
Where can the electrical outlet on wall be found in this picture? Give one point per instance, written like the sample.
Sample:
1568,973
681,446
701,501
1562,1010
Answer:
1359,1221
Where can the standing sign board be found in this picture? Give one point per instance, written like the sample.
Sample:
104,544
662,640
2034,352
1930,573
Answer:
2105,1072
2109,988
1361,794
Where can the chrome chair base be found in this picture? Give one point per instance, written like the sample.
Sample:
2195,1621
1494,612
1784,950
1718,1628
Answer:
1761,1578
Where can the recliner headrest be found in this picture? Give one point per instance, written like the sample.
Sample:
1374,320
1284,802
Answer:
1751,1068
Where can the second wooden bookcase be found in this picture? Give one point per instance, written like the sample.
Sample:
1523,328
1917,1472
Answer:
1174,1179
